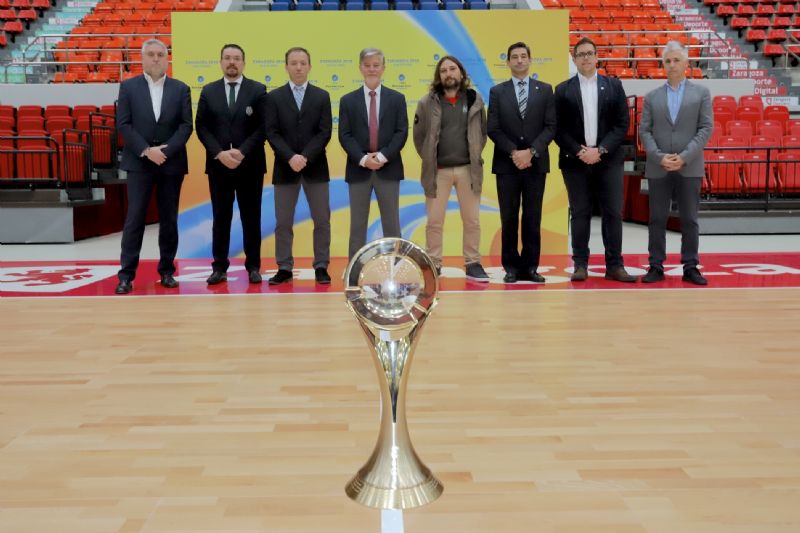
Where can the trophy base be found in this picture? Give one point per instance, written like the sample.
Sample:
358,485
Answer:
361,491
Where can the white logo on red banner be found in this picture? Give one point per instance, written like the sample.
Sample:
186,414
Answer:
49,278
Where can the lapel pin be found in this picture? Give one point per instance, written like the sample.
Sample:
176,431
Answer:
248,111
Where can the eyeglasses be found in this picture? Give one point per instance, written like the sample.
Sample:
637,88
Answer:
582,55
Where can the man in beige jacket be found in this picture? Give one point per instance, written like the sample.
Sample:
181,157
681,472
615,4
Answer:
449,135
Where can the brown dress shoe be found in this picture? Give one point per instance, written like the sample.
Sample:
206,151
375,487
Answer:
580,274
619,274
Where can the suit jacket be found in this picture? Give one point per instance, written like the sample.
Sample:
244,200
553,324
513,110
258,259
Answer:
138,126
306,131
613,120
354,133
243,126
686,137
510,131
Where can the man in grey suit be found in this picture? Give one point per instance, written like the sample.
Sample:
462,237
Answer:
677,120
373,127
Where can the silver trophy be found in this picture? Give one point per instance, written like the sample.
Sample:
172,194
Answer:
391,287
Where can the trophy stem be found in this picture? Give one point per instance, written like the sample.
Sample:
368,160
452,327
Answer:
394,477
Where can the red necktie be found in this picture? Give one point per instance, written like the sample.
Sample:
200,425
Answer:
373,122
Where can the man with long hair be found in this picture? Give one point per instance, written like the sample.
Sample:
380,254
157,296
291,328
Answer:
449,135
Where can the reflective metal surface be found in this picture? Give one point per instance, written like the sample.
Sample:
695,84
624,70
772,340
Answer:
391,287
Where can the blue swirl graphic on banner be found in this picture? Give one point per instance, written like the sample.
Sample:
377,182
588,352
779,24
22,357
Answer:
446,29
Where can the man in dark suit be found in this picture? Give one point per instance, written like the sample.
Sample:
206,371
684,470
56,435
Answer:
522,123
154,116
677,119
298,129
373,127
231,125
593,119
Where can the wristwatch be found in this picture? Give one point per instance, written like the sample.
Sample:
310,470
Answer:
533,152
602,150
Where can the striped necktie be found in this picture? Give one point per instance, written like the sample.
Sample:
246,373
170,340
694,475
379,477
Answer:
522,98
299,92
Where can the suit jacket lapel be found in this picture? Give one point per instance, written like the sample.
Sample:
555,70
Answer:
239,98
146,91
165,95
602,89
686,90
575,86
362,107
385,99
665,100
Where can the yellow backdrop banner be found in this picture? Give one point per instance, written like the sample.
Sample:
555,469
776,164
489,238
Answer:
412,42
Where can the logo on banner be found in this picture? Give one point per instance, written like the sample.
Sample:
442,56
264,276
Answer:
55,279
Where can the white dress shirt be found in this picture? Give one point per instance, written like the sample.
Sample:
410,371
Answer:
367,98
156,93
589,100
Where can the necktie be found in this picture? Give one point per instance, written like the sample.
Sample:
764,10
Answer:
299,92
373,122
231,94
522,98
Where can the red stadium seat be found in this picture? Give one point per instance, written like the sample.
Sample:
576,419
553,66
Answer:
37,157
751,114
723,173
83,111
7,123
30,111
756,172
57,111
56,125
770,128
28,124
739,128
7,147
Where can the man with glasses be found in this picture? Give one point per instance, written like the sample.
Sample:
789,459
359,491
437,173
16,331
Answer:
592,122
677,120
522,122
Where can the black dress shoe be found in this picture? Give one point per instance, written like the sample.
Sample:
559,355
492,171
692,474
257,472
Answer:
321,276
510,277
217,277
580,274
535,276
653,275
692,275
282,276
620,274
168,281
124,287
254,276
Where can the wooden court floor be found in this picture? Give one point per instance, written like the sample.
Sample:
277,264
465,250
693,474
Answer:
574,411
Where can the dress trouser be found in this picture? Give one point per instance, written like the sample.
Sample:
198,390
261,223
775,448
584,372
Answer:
317,195
660,194
469,203
387,193
582,184
140,187
513,190
246,189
